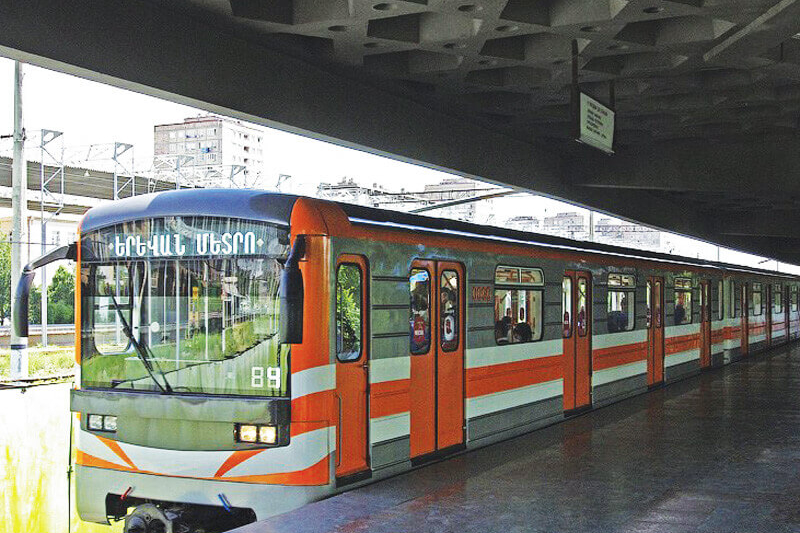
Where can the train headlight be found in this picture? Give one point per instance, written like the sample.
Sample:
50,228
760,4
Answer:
109,423
96,422
267,434
248,433
256,433
102,423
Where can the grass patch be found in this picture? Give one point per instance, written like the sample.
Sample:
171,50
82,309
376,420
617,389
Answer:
53,360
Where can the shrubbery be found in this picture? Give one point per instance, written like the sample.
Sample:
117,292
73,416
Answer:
60,299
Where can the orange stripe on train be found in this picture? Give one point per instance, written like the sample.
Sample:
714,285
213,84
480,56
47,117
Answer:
117,449
619,355
389,398
316,474
84,459
497,378
235,459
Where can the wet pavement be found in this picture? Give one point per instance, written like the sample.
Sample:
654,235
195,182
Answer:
718,452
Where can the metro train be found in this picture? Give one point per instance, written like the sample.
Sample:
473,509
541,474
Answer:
243,353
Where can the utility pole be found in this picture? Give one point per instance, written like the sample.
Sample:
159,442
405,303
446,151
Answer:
19,206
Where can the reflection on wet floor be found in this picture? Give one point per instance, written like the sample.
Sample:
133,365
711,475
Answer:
719,452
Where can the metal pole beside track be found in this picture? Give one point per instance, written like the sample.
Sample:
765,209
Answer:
19,206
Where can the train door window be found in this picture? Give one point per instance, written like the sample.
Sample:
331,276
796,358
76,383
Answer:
793,299
757,307
732,298
420,322
566,306
657,303
621,298
518,304
448,310
683,301
777,298
583,307
649,304
349,312
720,301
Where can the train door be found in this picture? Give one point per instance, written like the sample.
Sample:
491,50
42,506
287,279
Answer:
768,315
705,324
437,356
655,331
577,343
745,321
352,366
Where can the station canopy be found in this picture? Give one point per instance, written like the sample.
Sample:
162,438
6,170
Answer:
706,92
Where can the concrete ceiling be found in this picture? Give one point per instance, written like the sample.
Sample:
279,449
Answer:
681,68
707,92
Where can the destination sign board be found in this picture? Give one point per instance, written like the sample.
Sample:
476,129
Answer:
177,245
176,237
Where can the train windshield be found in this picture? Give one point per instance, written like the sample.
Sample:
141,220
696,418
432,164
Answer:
185,304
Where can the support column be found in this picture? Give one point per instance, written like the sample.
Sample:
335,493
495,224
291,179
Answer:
19,205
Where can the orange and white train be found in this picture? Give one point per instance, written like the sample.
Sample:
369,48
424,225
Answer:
243,353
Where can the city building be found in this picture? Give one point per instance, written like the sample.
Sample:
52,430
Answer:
569,224
624,233
447,190
209,151
524,223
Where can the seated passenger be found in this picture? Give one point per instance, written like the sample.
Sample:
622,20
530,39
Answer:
617,320
522,331
500,332
680,314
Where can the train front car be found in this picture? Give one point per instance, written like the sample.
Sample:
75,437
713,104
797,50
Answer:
185,390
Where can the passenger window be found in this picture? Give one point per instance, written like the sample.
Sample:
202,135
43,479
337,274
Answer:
348,312
420,322
757,307
621,309
720,302
683,301
518,306
583,307
448,310
777,299
793,298
566,306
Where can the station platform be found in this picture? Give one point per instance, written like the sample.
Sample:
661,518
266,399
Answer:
718,452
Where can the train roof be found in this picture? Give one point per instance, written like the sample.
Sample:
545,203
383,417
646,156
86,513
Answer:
277,208
249,204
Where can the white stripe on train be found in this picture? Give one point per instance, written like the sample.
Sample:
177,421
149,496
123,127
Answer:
498,401
305,450
615,373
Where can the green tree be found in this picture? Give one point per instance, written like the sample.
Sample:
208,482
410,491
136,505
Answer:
60,299
35,305
5,279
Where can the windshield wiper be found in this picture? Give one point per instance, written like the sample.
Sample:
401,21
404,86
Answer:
141,351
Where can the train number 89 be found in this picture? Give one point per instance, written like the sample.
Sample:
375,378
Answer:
273,377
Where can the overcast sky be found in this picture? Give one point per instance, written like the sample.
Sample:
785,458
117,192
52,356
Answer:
92,113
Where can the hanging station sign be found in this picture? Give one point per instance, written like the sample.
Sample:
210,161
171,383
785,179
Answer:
596,124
